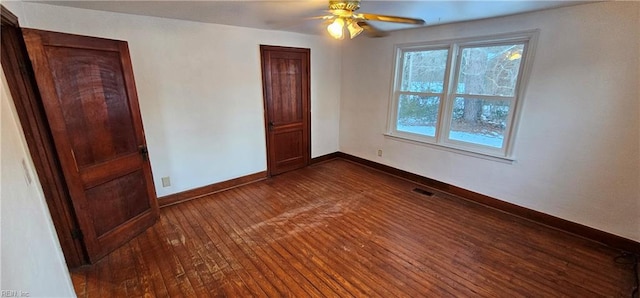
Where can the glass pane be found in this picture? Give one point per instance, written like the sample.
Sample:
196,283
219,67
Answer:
481,122
423,71
490,70
418,114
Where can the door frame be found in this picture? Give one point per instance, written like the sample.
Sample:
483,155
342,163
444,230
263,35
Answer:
21,81
307,51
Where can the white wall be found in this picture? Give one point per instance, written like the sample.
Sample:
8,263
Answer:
200,89
578,142
31,257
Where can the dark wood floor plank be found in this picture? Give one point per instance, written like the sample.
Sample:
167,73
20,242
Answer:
287,266
79,280
356,222
192,245
526,240
222,252
142,285
103,277
208,271
323,278
516,284
348,243
402,235
349,227
471,230
525,287
121,259
226,274
338,229
157,247
229,248
171,234
244,252
254,250
154,273
91,280
330,270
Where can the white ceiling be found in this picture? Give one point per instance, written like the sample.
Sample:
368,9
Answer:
295,15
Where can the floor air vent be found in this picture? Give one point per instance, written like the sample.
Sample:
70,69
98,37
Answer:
422,191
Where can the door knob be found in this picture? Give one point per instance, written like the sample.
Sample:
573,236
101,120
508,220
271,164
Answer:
143,151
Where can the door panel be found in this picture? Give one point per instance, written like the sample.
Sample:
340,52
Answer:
90,93
89,97
117,201
285,73
289,149
285,88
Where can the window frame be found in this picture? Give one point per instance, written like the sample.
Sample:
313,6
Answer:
449,94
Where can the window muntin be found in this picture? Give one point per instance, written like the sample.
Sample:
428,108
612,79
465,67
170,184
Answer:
463,96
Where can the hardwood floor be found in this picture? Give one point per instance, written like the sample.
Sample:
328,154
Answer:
338,229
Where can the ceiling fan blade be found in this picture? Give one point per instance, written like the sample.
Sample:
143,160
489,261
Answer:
393,19
370,30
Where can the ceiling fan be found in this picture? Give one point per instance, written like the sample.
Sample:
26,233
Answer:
343,14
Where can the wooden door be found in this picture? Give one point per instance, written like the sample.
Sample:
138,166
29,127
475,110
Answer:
89,97
285,77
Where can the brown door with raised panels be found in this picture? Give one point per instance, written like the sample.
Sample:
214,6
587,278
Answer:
89,96
285,76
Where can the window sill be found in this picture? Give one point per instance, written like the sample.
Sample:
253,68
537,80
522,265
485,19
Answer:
502,159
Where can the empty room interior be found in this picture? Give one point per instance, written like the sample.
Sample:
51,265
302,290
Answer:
320,148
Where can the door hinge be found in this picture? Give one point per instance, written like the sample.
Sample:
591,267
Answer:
76,234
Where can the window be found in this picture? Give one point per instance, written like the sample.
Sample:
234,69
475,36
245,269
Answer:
461,94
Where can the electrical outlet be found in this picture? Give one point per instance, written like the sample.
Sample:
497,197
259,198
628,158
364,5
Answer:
380,152
166,181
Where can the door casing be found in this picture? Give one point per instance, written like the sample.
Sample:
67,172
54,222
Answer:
20,78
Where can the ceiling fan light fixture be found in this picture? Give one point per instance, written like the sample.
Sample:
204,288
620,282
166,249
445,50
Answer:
354,29
336,29
342,13
344,5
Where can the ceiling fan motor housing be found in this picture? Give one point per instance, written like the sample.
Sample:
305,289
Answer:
344,5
